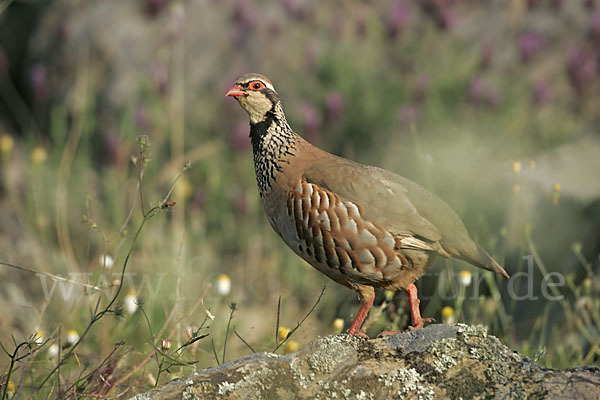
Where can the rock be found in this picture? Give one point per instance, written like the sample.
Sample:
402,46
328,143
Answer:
437,362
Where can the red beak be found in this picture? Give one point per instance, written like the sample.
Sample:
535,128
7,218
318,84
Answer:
236,91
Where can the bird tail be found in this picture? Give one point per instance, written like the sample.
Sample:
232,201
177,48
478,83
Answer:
480,258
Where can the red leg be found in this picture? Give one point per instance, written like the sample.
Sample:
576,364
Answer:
361,316
417,321
413,299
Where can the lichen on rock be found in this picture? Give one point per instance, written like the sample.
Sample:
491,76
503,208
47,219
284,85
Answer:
437,362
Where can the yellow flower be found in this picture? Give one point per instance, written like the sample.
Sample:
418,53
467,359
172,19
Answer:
587,285
516,166
10,389
338,325
183,189
290,347
516,188
557,187
7,143
283,332
448,315
38,155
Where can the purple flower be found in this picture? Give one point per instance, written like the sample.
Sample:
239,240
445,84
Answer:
541,94
160,77
361,22
529,43
556,4
408,113
244,14
396,19
154,7
39,83
582,67
275,27
311,120
109,148
335,105
296,8
480,94
590,5
595,27
441,12
477,90
142,119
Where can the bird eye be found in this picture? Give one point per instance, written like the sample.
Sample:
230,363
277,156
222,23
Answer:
257,85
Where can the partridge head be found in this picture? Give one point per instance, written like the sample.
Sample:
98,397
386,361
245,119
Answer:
364,227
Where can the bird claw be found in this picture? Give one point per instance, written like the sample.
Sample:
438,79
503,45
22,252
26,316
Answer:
359,334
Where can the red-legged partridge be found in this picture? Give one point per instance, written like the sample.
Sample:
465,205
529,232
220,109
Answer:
362,226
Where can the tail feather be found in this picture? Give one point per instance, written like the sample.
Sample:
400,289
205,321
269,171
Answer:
480,258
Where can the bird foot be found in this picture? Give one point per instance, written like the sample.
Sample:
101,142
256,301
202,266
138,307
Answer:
419,324
359,334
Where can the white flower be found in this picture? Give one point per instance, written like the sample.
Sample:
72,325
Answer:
72,337
165,344
465,277
151,379
209,315
53,351
38,337
223,284
107,261
131,304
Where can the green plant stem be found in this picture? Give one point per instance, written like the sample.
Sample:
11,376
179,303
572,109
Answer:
97,316
10,368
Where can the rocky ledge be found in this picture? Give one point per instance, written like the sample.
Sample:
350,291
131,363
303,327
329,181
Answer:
437,362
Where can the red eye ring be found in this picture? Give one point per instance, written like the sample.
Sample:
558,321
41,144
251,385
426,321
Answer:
256,85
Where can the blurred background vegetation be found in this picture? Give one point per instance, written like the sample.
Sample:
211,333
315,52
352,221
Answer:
494,105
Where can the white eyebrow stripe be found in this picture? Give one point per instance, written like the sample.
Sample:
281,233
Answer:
268,85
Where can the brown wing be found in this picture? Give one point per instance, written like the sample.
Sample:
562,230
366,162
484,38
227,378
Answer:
403,207
335,235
